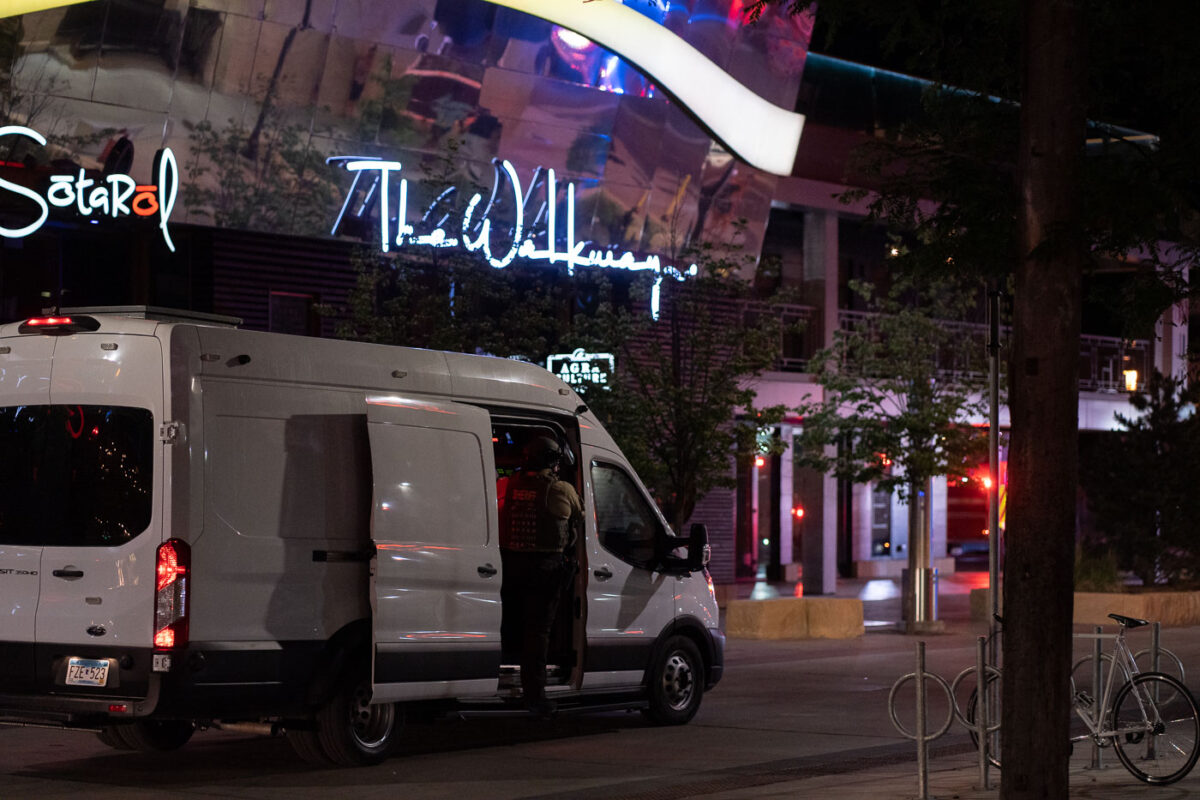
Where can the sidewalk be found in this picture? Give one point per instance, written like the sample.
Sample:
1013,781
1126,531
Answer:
956,777
953,767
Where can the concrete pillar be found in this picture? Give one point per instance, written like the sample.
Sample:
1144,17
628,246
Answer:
786,484
820,553
937,519
821,264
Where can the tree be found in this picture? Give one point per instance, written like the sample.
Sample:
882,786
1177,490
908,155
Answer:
284,186
1048,214
682,404
1140,483
900,391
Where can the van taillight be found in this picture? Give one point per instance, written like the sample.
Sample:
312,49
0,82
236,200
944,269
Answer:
172,569
59,324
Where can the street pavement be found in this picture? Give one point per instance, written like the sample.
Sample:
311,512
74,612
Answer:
791,719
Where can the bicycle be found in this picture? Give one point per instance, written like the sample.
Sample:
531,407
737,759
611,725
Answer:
1152,721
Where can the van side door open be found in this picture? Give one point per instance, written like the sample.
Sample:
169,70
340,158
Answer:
436,576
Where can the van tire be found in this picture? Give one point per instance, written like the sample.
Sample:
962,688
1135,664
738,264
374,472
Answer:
307,745
353,732
154,735
675,683
113,738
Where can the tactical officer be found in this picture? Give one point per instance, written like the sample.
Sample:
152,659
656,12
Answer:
539,521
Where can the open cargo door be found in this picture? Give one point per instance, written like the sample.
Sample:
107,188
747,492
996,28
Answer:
436,577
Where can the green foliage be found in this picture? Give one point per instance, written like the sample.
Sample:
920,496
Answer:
456,302
899,389
682,405
285,186
1141,484
1096,570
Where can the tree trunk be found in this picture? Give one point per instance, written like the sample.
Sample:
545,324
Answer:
1044,389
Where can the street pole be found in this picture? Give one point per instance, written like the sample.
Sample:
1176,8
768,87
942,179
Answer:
922,578
994,543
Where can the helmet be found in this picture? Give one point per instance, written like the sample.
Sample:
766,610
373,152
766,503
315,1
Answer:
542,453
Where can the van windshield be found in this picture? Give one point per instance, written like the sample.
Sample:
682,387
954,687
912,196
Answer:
74,475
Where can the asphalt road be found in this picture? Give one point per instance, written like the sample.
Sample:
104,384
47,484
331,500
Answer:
785,711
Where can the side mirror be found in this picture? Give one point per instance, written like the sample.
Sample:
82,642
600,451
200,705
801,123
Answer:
699,551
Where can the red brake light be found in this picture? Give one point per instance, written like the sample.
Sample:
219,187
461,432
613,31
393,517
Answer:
172,568
169,569
59,324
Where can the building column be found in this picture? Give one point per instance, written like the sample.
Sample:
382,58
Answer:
787,555
821,264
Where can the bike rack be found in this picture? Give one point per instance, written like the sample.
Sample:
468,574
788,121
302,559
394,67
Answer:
921,735
985,674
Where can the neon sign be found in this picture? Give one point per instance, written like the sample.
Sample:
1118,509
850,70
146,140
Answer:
112,196
580,368
476,235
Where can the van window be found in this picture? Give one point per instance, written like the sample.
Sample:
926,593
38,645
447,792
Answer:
73,475
626,524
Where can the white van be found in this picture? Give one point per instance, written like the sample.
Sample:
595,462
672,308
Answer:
206,526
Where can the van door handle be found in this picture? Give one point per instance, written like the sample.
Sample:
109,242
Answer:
486,571
603,573
70,574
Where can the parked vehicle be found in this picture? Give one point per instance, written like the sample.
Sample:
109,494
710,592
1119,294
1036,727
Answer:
207,526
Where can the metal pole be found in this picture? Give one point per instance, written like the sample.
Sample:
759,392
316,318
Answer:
1155,633
994,470
1097,712
922,744
984,720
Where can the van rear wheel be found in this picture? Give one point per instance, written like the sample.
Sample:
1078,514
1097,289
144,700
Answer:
150,735
112,738
355,732
675,682
307,745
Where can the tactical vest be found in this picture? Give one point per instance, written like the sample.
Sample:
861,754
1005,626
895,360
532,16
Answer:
531,527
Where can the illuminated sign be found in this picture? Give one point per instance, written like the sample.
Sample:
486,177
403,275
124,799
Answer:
579,368
475,234
111,196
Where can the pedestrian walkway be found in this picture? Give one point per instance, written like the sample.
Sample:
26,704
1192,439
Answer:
953,771
956,777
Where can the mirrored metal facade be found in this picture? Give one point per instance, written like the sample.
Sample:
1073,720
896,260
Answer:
253,97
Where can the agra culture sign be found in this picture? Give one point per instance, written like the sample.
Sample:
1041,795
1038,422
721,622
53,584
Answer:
580,368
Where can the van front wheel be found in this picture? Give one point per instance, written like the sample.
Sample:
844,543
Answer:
355,732
675,683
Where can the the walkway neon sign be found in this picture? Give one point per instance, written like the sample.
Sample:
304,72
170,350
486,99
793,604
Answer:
112,196
475,234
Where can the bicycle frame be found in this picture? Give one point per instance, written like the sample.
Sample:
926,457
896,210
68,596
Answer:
1096,713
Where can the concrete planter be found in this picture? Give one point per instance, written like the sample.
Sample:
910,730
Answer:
795,618
1171,608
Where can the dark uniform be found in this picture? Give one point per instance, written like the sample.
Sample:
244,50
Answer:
537,527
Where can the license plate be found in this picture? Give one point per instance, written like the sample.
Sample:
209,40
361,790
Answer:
87,672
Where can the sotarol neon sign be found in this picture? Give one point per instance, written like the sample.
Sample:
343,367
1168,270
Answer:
113,196
475,234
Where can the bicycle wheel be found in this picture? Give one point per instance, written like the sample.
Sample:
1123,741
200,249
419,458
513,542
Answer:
1168,664
1156,726
992,686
